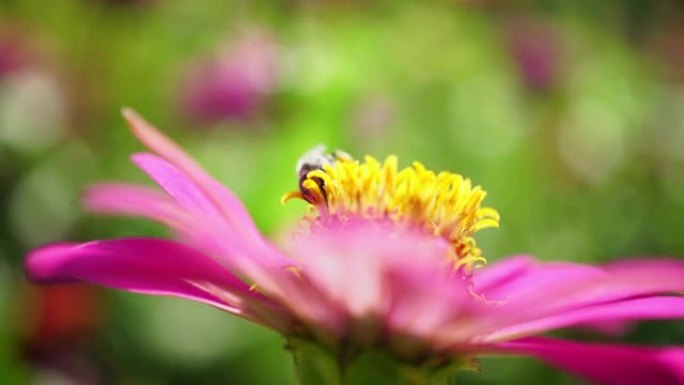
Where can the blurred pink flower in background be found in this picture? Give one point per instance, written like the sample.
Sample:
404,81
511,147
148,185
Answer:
536,48
29,82
235,84
350,284
14,51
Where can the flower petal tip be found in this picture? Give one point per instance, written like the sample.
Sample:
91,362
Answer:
44,264
134,119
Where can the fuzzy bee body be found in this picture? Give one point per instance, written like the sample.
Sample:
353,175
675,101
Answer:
316,159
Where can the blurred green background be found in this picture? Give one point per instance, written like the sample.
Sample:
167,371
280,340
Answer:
569,113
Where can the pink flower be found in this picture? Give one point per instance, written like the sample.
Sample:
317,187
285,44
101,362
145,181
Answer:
236,84
538,51
21,51
14,50
372,272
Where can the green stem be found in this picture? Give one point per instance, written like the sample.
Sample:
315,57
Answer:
315,365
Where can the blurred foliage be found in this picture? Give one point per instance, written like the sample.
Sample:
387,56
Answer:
569,113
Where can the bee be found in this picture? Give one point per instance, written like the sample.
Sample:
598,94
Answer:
315,159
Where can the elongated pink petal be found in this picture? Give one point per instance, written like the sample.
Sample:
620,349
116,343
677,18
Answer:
205,232
190,197
627,310
488,278
582,283
527,277
175,183
147,266
606,364
131,200
224,200
631,278
546,289
237,240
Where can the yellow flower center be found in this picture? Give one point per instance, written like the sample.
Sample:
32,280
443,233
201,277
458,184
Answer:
444,204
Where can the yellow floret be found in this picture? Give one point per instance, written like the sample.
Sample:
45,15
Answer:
444,204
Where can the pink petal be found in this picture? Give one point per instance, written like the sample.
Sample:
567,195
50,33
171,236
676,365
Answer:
143,265
428,305
488,278
129,199
188,195
209,234
175,183
606,364
627,310
231,237
199,230
223,199
350,262
261,264
546,289
395,276
523,276
638,277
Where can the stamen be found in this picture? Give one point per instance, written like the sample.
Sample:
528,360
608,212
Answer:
445,204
